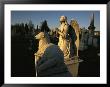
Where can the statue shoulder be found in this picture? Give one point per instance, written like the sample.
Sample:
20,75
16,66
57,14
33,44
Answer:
66,26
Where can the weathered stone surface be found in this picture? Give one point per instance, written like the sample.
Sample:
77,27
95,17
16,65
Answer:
75,26
64,38
49,59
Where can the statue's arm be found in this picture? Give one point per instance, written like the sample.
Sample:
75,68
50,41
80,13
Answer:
64,33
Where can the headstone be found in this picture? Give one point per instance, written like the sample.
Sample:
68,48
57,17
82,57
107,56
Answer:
95,42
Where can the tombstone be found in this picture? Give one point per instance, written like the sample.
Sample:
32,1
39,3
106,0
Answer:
84,40
95,42
90,41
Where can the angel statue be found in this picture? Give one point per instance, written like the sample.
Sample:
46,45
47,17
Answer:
67,38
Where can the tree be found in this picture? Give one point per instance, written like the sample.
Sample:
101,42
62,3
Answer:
44,26
31,26
26,28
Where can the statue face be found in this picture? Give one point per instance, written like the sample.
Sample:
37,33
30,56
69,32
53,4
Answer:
63,18
40,35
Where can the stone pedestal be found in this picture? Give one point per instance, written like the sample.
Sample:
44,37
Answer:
73,65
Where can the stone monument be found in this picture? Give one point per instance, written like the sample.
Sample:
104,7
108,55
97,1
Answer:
91,30
67,38
49,59
64,38
84,39
75,26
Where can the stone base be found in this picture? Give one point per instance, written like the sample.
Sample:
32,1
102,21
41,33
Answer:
73,65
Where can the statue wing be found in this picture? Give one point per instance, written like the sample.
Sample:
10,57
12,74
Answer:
72,34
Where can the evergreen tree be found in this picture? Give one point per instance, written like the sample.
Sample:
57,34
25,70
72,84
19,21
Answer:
31,27
44,26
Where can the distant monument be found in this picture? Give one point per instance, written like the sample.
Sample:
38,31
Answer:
91,30
91,26
84,39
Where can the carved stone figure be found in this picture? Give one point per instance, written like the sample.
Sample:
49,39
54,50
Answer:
49,59
64,38
75,26
43,44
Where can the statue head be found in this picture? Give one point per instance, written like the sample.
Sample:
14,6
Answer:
40,35
43,35
63,19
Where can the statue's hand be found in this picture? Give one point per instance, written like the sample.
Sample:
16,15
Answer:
62,34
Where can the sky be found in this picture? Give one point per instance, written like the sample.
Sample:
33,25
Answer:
52,17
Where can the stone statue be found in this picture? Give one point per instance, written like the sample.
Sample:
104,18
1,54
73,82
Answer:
65,41
43,44
75,26
49,58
